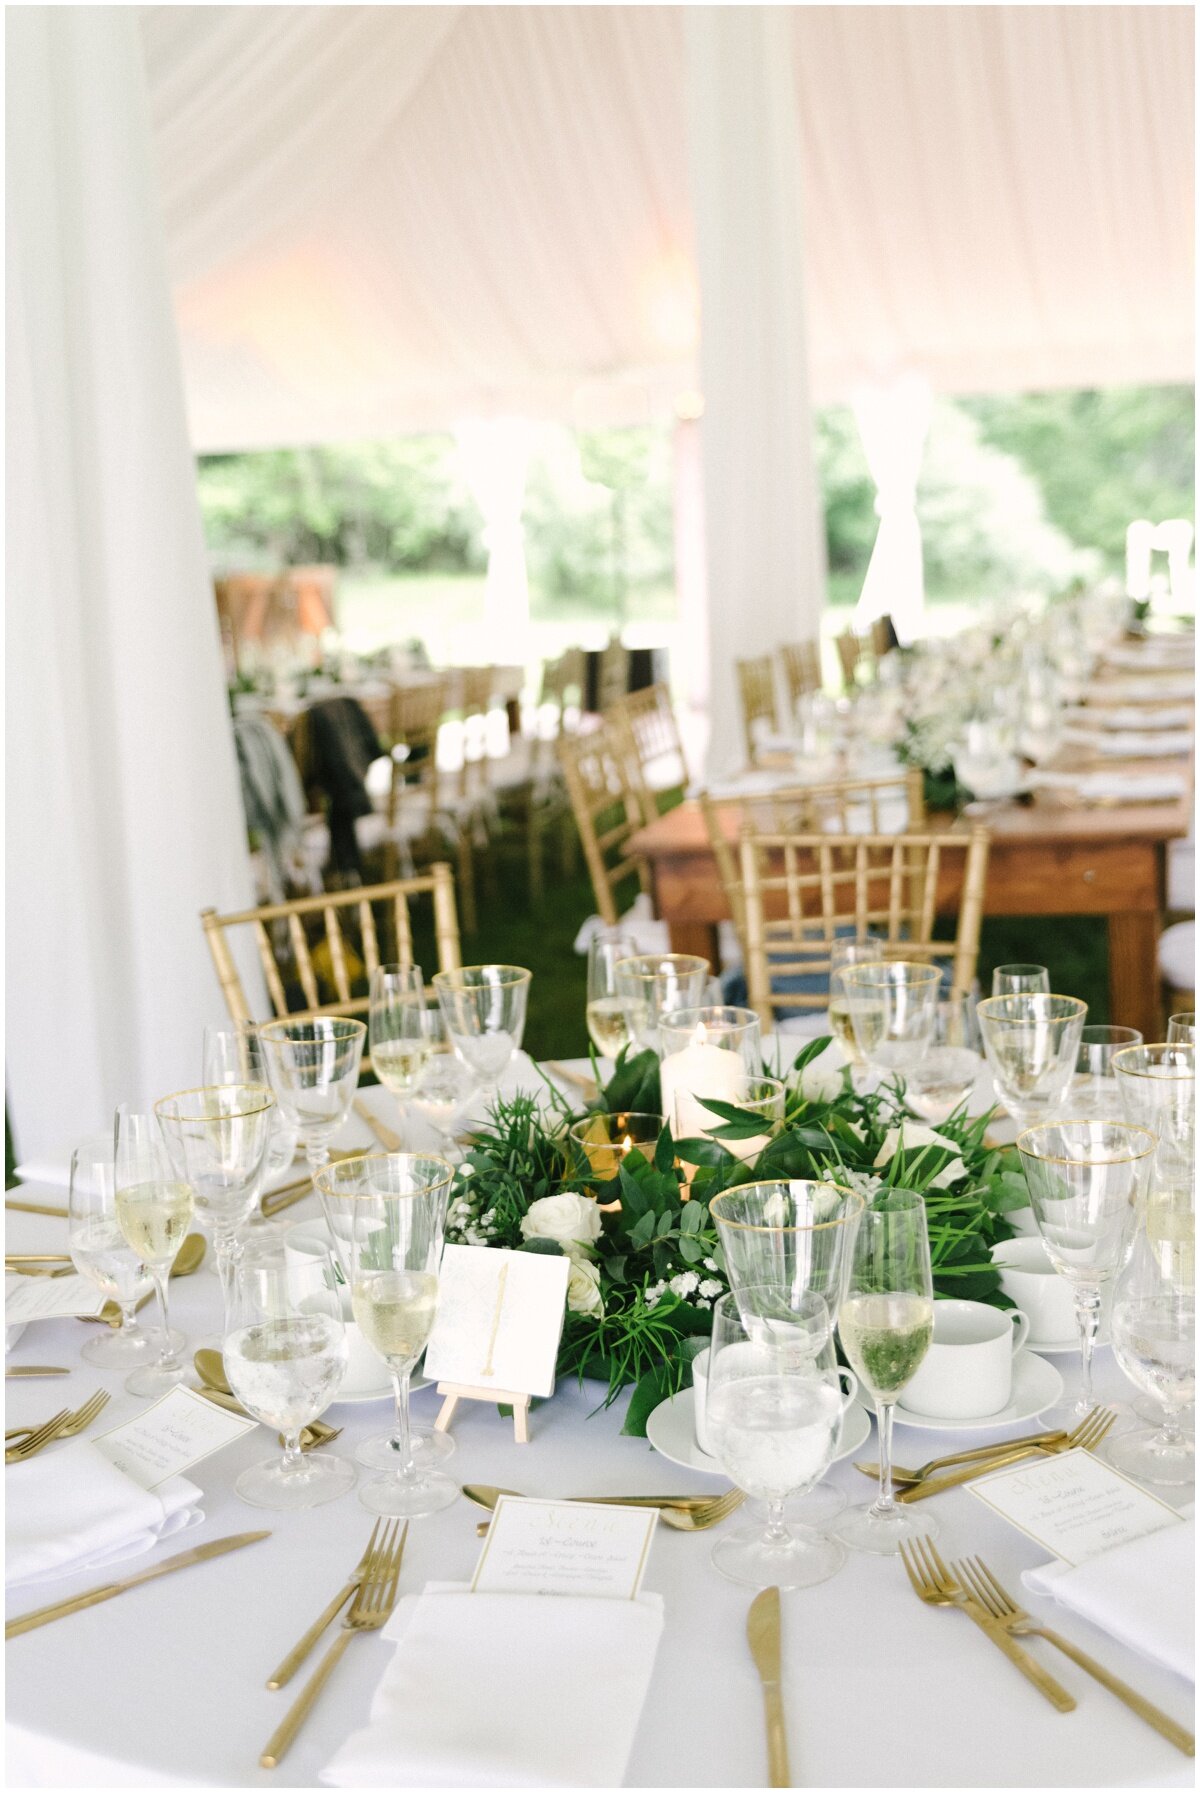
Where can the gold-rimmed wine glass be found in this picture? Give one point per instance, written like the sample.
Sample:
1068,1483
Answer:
1158,1090
788,1236
1085,1180
1031,1042
606,1023
313,1066
1020,980
1181,1028
233,1054
398,1035
1153,1327
154,1208
387,1214
865,949
1095,1094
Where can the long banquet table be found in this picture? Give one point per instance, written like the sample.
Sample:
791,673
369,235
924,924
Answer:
165,1685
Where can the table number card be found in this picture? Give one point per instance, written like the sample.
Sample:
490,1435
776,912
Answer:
499,1319
1074,1506
565,1547
168,1438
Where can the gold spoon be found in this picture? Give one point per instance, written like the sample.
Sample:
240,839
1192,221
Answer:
188,1258
210,1367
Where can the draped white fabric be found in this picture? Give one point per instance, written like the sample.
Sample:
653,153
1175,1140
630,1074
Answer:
763,523
124,817
382,218
494,458
893,422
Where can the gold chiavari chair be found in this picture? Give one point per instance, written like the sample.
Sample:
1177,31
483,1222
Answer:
607,812
335,940
799,889
850,653
883,636
654,747
801,663
879,805
756,687
612,678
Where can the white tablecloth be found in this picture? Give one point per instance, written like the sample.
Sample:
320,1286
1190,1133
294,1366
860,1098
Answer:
165,1686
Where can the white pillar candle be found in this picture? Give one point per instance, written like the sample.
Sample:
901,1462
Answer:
699,1070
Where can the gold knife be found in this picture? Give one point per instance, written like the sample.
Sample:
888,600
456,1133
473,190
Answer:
763,1634
391,1142
484,1495
37,1208
45,1614
37,1369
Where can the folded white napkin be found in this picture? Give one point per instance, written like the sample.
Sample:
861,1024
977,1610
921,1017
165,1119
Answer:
1123,787
1130,746
1142,1593
1170,716
1164,685
505,1690
71,1509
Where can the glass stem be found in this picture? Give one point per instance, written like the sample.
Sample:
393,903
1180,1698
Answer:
777,1531
403,1437
128,1307
292,1459
227,1254
317,1153
167,1359
885,1503
1087,1316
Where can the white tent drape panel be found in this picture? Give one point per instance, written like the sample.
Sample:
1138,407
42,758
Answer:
494,458
763,526
384,218
124,816
893,422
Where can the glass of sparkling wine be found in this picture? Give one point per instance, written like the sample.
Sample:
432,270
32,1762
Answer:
606,1021
233,1054
886,1326
154,1210
774,1413
99,1251
387,1214
285,1354
1154,1332
399,1040
867,949
313,1066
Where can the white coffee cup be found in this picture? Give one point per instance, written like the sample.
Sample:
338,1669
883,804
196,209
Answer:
1029,1278
700,1388
967,1371
365,1372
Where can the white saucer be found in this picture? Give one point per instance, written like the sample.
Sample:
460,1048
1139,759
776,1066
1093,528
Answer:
384,1392
671,1429
1062,1347
1036,1385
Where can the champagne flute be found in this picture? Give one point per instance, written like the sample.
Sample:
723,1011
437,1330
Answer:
1085,1181
1032,1044
1020,980
652,985
866,949
1154,1334
387,1214
774,1411
285,1354
154,1210
1181,1029
606,1021
485,1007
233,1054
218,1139
885,1324
398,1038
1095,1092
100,1252
893,1009
313,1066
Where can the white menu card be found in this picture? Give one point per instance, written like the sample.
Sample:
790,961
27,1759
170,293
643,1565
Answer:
1074,1505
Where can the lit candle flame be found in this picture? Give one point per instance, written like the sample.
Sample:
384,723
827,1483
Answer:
628,1146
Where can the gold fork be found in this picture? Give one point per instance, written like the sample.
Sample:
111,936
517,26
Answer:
1086,1436
697,1518
33,1442
936,1586
298,1652
74,1423
371,1610
951,1462
980,1581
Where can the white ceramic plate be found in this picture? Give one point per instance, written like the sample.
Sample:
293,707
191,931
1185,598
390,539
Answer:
671,1429
383,1393
1036,1385
1062,1347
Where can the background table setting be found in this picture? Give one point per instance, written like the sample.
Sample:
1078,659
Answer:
171,1682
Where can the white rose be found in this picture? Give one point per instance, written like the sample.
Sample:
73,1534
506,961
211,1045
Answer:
583,1288
913,1137
568,1219
820,1082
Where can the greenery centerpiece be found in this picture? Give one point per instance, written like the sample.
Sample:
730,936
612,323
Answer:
645,1273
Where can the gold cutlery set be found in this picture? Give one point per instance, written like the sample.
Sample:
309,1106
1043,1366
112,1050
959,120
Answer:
24,1442
681,1512
941,1473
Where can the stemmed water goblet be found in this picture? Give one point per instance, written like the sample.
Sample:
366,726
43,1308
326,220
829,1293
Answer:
313,1066
484,1007
1085,1180
1020,980
387,1214
399,1039
1154,1333
893,1010
154,1209
233,1054
1095,1093
218,1139
885,1323
100,1251
285,1354
652,985
606,1022
774,1410
1032,1043
1181,1029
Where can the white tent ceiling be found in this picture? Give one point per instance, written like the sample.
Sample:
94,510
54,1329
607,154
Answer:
390,218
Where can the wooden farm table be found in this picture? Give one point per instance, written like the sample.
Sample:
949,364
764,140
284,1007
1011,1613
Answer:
1047,859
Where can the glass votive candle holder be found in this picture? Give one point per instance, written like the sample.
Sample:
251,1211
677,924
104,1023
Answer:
765,1096
600,1141
706,1052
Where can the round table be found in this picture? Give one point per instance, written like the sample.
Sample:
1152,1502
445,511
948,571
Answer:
165,1685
